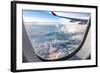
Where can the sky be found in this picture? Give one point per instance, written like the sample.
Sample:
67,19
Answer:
46,16
39,16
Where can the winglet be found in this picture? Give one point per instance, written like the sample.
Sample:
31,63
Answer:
53,13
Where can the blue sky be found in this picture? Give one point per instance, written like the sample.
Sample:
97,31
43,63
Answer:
34,15
40,15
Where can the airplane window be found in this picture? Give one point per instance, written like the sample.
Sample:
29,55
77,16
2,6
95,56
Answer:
55,35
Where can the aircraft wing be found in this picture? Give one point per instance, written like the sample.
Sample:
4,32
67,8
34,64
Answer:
72,18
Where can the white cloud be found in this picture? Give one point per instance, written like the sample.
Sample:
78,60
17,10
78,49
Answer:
39,21
32,19
64,21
